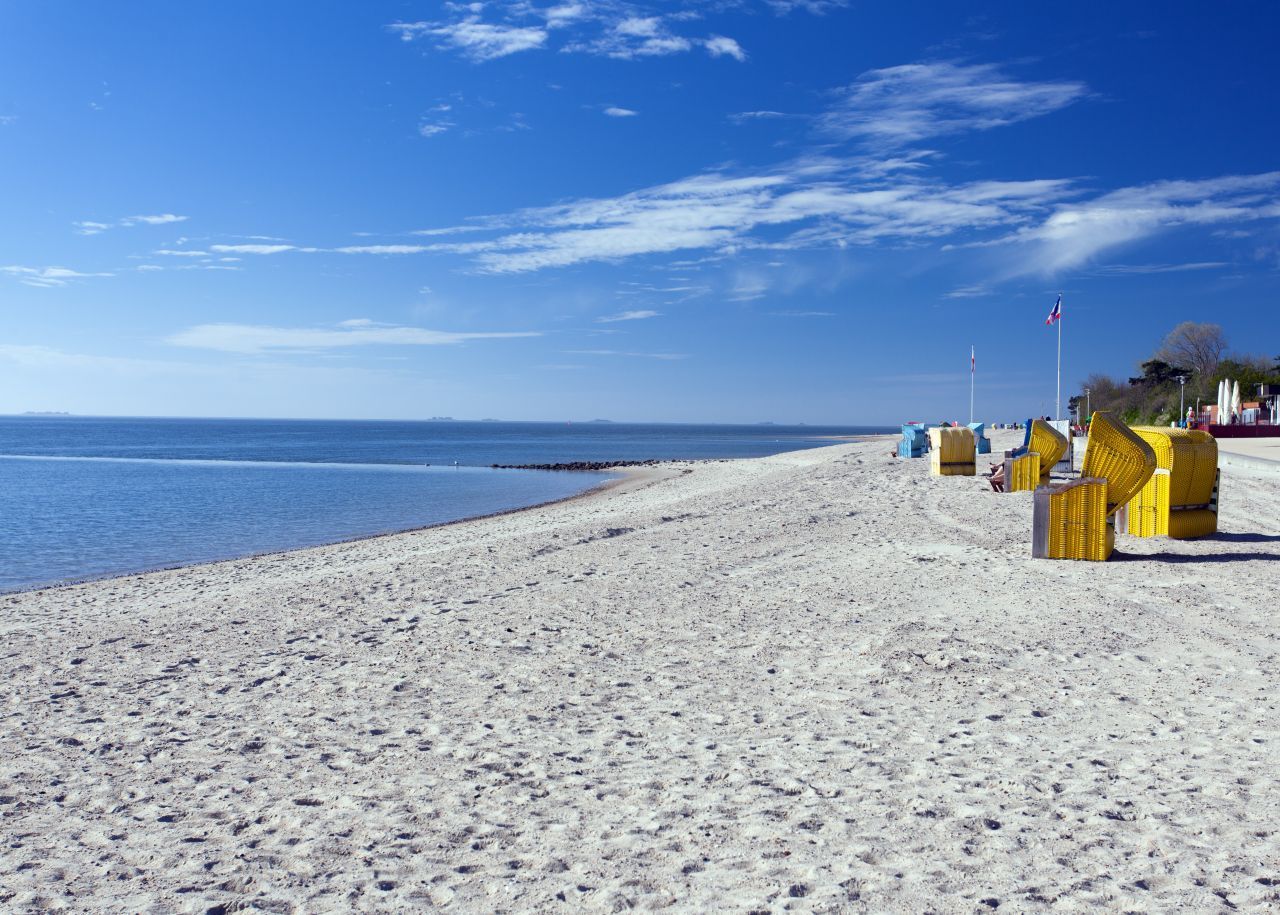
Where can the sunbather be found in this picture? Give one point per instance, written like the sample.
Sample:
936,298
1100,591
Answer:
996,477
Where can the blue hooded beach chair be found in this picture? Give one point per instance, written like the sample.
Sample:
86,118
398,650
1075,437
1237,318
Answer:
980,437
915,441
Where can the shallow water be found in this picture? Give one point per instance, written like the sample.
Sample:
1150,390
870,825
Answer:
86,497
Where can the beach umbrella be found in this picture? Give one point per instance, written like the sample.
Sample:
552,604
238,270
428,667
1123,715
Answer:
1235,397
1222,398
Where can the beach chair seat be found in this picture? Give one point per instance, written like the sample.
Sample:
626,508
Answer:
1022,473
1180,499
951,452
1047,442
1076,520
982,444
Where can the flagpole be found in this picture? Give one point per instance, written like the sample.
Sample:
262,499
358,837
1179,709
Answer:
973,368
1058,403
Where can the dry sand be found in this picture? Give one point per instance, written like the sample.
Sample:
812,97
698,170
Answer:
821,681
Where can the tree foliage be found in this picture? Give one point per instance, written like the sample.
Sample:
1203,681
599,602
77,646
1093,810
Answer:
1196,352
1197,346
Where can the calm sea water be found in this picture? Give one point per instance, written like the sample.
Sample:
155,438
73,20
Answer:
84,496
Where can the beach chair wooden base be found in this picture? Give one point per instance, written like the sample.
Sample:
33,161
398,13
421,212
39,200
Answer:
1069,521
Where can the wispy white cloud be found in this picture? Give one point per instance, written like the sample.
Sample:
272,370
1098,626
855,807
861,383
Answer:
382,249
565,14
184,252
47,277
613,352
637,315
1144,269
7,119
817,7
624,31
163,219
634,37
615,112
450,230
1076,233
900,105
47,357
720,46
434,128
743,117
87,227
477,40
811,203
251,338
256,249
968,292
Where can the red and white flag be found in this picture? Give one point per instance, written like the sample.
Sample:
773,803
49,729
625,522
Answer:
1056,313
973,364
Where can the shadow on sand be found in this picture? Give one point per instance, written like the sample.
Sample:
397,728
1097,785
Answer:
1245,538
1118,556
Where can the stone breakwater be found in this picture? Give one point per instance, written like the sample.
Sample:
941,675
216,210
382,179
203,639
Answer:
579,465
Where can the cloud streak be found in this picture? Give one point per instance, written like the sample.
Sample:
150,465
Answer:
254,339
607,29
476,40
812,204
1077,233
897,106
87,227
638,315
47,277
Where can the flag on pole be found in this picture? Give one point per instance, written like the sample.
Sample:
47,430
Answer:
973,364
1056,313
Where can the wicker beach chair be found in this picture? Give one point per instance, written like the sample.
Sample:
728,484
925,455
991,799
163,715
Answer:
981,442
951,452
1027,467
914,442
1180,499
1076,520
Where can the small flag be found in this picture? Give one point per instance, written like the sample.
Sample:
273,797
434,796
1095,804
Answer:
1056,313
973,364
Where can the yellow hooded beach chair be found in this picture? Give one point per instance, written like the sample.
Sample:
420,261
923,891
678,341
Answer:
1180,500
1027,467
1076,520
951,452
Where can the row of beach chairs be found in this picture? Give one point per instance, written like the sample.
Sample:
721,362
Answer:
917,441
1147,481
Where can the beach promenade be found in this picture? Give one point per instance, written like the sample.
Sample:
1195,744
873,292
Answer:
818,681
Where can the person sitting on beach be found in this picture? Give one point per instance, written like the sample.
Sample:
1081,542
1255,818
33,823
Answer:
996,477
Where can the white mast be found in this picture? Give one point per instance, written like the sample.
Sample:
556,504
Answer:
1058,404
973,368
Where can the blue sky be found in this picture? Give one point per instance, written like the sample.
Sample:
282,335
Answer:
729,211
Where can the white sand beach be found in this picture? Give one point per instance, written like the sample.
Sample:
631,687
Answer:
820,681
